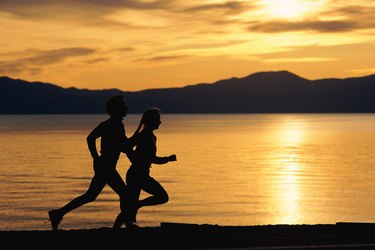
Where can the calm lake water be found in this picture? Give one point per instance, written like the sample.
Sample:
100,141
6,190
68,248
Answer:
231,170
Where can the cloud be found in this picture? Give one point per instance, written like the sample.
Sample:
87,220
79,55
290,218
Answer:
210,44
299,59
34,64
336,16
97,60
218,13
92,12
363,71
343,51
124,49
130,4
55,56
29,8
164,58
230,6
317,26
347,8
100,12
10,68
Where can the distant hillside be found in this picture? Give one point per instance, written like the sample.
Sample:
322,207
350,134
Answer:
263,92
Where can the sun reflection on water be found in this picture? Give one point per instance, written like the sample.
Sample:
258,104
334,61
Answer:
286,161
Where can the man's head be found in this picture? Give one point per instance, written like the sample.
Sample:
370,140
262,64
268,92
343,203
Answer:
116,106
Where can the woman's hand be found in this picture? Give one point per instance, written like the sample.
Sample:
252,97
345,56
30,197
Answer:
172,158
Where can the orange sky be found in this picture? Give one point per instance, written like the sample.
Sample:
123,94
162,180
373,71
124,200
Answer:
141,44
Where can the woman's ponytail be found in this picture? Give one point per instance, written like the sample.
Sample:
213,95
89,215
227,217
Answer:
139,126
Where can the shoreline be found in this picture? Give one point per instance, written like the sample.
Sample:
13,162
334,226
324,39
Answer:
194,236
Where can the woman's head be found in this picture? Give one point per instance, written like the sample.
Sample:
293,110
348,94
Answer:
151,118
116,106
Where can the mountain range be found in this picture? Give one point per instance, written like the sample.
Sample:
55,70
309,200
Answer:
262,92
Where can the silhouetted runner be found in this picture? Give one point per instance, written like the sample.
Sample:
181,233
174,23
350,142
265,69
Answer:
138,175
113,142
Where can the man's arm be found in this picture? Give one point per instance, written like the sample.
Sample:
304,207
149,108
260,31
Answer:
91,141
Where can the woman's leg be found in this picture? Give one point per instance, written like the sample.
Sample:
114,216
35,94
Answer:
118,185
158,193
131,198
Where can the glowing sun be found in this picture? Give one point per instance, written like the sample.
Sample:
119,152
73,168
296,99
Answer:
289,9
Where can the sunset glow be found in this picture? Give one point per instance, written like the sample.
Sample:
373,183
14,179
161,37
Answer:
289,9
137,44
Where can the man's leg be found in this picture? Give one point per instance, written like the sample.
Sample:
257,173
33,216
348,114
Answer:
96,186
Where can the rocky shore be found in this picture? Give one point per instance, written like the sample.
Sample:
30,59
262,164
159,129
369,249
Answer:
341,235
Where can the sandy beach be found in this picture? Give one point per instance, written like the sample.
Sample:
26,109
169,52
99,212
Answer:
341,235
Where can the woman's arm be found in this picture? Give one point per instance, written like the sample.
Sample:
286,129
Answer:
163,160
128,145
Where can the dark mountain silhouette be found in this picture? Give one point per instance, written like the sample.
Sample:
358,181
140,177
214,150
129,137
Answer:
263,92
